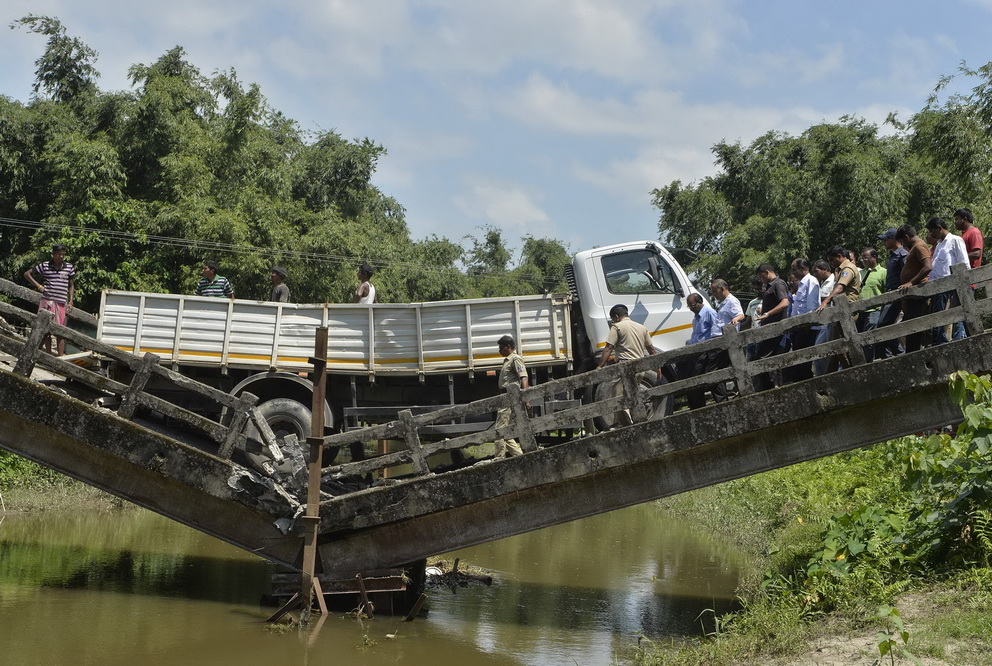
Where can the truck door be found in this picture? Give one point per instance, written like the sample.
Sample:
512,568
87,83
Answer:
643,279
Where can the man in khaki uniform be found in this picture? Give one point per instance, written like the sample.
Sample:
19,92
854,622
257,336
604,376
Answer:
513,372
848,282
631,341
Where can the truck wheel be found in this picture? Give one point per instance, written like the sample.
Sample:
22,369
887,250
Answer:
661,407
658,407
287,417
603,391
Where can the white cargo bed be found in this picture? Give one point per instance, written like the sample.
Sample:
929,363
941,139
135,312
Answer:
415,338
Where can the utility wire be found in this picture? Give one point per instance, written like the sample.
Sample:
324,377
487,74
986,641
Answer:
230,248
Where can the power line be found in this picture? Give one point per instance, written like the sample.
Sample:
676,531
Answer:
231,248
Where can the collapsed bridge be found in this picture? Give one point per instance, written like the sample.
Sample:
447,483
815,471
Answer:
421,504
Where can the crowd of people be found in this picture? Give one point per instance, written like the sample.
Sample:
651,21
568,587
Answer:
812,286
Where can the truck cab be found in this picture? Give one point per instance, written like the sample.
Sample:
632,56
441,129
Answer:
642,275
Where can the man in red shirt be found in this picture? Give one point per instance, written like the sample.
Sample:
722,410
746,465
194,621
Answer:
974,242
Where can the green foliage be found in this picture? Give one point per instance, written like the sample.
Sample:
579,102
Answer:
850,533
65,71
888,645
785,196
16,471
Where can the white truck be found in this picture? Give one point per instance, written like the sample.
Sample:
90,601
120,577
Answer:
384,357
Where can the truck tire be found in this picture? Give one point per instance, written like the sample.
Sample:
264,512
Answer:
658,407
603,391
287,417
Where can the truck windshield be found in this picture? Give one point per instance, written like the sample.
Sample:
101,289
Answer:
638,272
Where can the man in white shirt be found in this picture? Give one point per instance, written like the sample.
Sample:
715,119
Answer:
729,311
825,275
950,250
806,300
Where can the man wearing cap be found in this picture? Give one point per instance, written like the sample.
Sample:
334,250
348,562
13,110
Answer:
631,341
212,284
280,290
513,371
890,313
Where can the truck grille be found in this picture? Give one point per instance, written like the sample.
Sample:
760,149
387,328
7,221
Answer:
570,278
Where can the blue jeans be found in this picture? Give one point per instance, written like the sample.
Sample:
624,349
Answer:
888,316
939,303
868,321
820,365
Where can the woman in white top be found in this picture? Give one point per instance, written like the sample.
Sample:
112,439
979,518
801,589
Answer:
366,291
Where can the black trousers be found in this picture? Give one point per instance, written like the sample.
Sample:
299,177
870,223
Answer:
701,364
801,339
766,349
911,309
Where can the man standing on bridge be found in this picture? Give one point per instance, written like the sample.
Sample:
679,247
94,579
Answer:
57,286
513,372
950,250
705,326
915,271
890,313
774,307
631,341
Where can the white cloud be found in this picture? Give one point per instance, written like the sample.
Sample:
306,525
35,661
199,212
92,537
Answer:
409,153
504,206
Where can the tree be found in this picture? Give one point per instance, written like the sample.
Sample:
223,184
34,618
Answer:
142,185
542,265
65,71
784,197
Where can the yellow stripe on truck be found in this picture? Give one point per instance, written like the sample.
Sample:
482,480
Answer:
340,361
662,331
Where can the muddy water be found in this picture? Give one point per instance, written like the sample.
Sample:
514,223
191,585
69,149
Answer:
135,588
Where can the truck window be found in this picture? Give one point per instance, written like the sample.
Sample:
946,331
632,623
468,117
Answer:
638,272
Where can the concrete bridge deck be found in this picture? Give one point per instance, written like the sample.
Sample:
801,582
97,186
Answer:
432,513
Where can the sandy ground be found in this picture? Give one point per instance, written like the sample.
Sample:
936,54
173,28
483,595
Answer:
861,648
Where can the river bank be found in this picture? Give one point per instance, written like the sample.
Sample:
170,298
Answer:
27,487
874,556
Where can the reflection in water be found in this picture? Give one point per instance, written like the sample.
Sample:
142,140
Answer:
584,589
132,586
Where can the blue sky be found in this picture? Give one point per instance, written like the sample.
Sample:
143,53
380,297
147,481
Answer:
545,117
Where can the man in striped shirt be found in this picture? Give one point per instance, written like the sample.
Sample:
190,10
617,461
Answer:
58,286
212,284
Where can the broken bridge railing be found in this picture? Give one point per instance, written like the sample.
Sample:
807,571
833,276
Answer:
244,413
640,399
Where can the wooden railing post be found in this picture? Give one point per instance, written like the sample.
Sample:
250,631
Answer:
39,329
631,399
521,421
129,401
966,296
238,423
265,432
738,359
412,438
849,329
